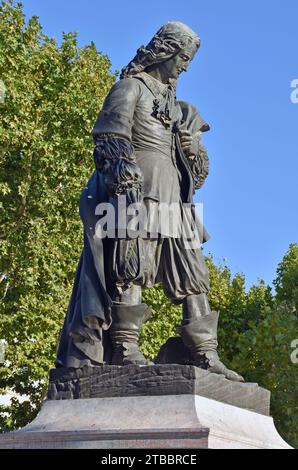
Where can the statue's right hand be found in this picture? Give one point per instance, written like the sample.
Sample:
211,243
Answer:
125,178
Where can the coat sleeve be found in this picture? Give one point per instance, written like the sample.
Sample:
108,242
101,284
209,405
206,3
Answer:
116,116
114,153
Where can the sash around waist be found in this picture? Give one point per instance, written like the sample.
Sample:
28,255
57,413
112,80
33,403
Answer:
165,151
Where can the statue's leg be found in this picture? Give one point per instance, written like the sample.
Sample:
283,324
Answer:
199,333
185,280
128,312
128,316
127,320
130,296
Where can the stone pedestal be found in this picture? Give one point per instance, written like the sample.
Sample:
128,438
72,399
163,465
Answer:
235,416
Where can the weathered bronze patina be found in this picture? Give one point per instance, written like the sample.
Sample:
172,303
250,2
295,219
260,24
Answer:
148,150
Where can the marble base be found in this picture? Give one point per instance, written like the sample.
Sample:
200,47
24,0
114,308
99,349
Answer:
148,422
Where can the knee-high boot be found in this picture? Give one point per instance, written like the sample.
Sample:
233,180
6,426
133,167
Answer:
199,333
124,334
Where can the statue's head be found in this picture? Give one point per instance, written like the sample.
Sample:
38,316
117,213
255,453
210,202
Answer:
172,47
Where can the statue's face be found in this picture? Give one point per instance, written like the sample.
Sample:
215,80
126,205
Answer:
172,68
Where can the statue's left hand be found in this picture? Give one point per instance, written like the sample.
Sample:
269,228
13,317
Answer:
189,143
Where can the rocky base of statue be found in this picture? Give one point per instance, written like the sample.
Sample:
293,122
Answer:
156,380
149,407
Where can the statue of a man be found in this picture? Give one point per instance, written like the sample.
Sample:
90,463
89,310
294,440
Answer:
148,150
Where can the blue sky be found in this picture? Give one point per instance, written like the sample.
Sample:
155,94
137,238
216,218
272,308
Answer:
240,80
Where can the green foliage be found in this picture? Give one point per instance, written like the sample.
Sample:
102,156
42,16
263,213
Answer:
265,357
53,95
286,283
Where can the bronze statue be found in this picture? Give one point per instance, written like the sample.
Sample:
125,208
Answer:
147,150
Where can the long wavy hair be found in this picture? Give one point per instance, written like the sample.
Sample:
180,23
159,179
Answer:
170,39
